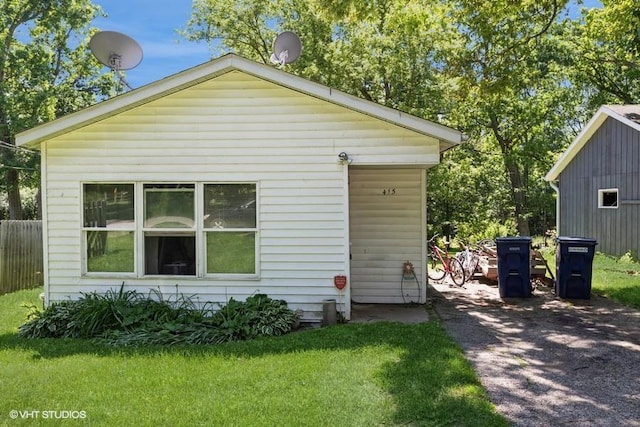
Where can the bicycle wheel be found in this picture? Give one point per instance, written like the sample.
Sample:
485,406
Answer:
456,271
470,269
469,264
465,259
434,268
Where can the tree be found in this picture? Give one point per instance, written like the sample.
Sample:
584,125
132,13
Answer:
45,71
513,88
382,50
607,59
496,70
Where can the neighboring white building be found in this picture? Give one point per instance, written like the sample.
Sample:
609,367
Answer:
230,178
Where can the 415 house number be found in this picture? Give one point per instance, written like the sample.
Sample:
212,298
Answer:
388,191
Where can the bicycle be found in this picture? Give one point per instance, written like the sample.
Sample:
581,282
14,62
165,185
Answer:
469,259
440,263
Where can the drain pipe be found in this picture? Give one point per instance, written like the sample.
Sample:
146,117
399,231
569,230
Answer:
557,190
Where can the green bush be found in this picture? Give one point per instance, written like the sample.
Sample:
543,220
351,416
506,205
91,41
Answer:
55,322
130,318
485,230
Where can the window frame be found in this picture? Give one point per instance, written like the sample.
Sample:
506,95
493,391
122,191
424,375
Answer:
146,231
255,230
198,231
84,246
601,195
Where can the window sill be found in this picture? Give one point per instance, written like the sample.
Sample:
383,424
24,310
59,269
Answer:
106,274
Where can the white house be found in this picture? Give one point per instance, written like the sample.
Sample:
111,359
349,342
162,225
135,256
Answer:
232,178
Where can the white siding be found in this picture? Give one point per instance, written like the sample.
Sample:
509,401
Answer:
387,224
235,127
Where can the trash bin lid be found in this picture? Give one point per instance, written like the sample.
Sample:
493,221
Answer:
577,240
517,239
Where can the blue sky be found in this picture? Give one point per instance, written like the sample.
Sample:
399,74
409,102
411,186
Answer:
154,24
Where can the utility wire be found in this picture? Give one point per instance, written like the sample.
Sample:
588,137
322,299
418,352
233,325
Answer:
15,168
13,147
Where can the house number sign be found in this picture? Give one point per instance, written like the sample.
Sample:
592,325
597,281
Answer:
388,191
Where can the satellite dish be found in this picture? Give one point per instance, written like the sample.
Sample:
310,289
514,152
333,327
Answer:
117,51
286,48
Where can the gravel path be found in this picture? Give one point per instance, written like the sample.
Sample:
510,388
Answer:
546,361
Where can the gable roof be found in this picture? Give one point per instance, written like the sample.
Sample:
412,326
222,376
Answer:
33,137
627,114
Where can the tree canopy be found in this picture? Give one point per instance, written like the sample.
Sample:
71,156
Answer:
520,78
45,71
504,72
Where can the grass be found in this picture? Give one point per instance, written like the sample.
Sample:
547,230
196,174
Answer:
118,256
618,279
615,278
231,252
354,374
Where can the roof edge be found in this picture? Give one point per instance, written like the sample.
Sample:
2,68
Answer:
33,137
579,141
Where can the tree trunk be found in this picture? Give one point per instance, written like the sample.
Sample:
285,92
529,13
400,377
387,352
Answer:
515,178
12,183
39,202
12,180
517,193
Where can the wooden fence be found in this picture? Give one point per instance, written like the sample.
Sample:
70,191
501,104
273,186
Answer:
95,215
20,255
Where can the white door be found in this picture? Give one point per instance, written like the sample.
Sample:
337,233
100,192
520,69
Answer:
387,226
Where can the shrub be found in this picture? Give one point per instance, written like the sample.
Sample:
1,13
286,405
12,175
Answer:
128,318
486,230
54,322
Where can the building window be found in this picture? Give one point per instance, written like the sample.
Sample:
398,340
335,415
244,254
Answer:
229,212
608,198
109,227
175,229
168,254
169,229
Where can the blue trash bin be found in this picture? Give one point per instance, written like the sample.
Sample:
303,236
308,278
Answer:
514,274
574,265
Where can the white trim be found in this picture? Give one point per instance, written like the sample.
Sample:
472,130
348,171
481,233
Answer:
138,216
601,192
45,227
37,135
557,190
423,279
584,136
201,246
345,294
84,245
140,232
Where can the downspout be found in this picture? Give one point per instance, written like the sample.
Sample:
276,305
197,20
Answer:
557,190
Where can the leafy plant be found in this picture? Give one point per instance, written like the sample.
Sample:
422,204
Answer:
54,322
129,318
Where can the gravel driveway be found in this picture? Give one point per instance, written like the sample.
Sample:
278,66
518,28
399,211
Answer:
546,361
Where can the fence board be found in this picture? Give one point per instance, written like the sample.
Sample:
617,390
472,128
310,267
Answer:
20,255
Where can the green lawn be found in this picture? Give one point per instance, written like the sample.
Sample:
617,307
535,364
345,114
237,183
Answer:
346,375
615,278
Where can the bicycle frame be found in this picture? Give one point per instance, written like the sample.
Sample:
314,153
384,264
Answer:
443,256
450,265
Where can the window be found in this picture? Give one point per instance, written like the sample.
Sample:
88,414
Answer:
109,227
169,229
174,229
230,228
608,198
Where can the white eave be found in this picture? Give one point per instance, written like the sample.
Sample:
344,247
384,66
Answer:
32,138
585,135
